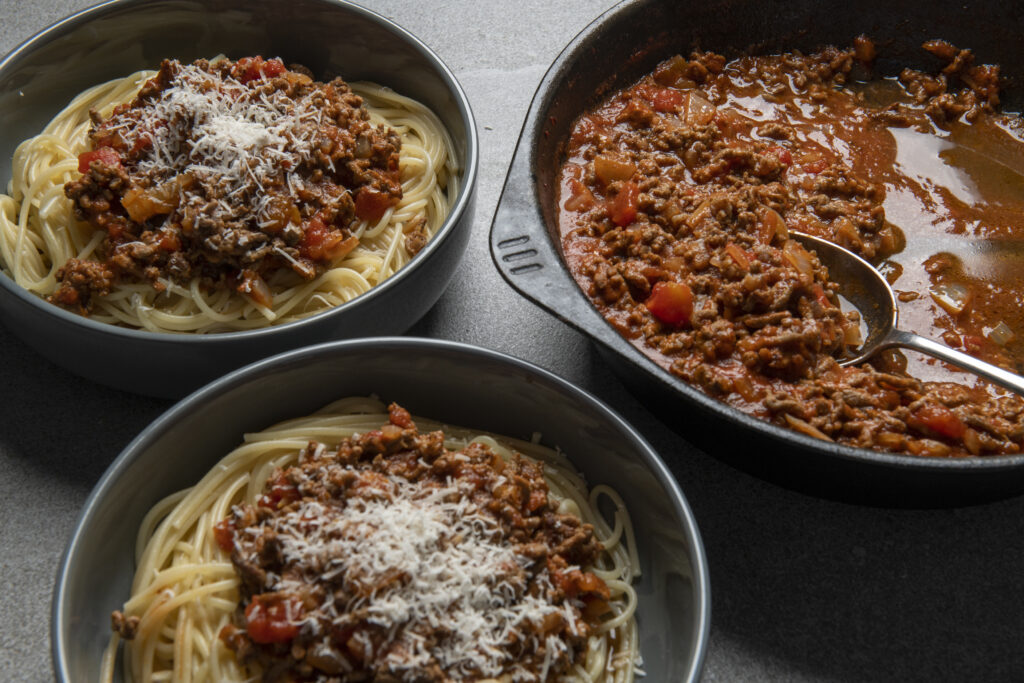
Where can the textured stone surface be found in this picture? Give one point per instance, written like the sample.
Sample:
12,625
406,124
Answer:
803,589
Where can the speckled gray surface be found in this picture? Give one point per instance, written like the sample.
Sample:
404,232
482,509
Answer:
803,589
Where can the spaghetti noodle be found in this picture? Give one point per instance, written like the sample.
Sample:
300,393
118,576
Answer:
46,250
185,607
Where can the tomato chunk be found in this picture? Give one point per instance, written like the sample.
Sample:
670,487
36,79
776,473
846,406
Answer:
224,534
536,501
580,197
273,67
940,420
400,417
820,296
667,100
252,68
576,583
104,155
273,618
671,303
782,154
322,243
371,204
281,493
622,209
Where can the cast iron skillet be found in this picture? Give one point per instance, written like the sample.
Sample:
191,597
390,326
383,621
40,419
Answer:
617,49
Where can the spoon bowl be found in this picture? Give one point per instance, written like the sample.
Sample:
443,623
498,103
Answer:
869,292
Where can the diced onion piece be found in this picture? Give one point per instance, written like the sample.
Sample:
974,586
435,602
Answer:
851,334
891,240
280,212
972,441
339,247
813,161
1001,334
928,448
363,148
799,257
142,205
745,388
699,111
700,214
672,72
738,255
254,287
952,296
807,428
846,234
674,264
609,170
771,226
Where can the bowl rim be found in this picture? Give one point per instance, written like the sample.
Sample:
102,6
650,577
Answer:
520,177
338,350
463,203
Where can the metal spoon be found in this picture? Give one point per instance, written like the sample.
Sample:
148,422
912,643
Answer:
863,286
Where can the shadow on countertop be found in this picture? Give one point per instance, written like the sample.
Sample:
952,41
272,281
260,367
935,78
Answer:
60,424
840,592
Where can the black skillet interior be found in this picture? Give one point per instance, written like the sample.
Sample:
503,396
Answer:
627,42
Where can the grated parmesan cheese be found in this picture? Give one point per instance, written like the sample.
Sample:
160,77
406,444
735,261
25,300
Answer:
232,138
455,574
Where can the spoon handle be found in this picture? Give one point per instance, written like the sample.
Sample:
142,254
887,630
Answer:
1003,378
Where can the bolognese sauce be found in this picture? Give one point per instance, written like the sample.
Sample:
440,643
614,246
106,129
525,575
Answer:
677,201
229,172
391,557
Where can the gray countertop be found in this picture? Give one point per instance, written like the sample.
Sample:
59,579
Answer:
802,589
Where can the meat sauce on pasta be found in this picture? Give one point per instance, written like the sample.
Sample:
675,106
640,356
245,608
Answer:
338,548
679,193
366,560
229,172
220,196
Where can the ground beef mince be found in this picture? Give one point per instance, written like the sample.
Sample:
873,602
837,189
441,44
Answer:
392,558
232,173
677,201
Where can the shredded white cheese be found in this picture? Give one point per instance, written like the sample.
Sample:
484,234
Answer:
440,563
232,138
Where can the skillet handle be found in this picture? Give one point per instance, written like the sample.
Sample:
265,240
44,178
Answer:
527,255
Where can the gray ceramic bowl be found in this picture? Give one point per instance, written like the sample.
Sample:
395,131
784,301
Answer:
451,382
613,52
330,37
